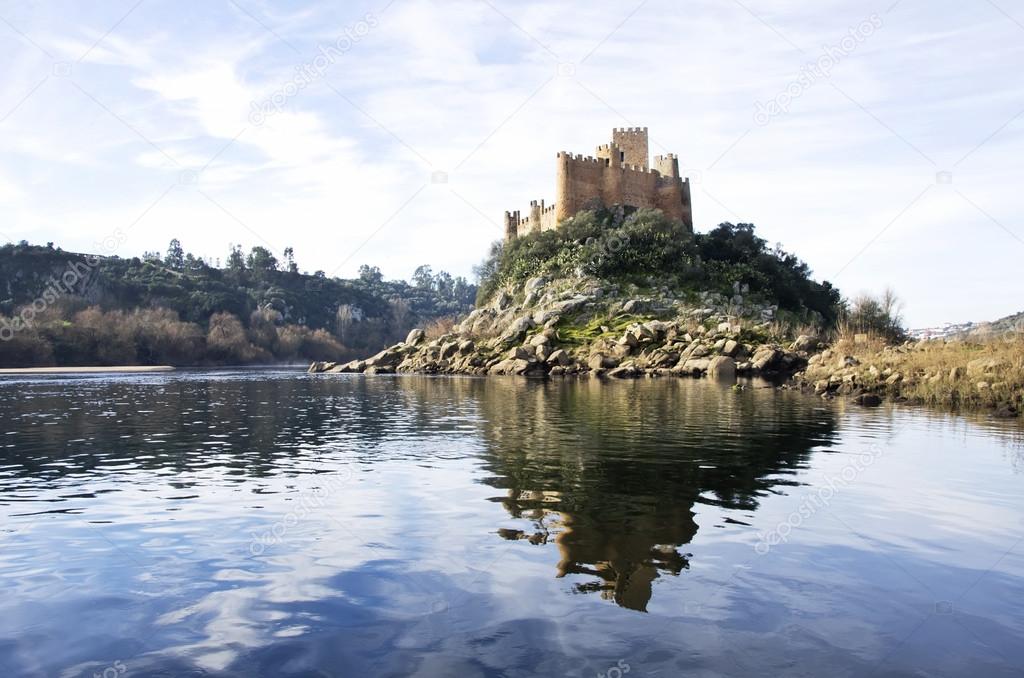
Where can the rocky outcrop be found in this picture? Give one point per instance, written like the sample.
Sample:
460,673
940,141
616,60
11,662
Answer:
587,327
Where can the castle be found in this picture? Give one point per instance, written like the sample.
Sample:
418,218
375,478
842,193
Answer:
619,175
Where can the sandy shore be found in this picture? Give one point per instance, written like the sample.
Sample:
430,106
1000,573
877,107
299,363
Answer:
86,370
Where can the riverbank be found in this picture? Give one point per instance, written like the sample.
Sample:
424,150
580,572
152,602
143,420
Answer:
589,328
125,369
986,374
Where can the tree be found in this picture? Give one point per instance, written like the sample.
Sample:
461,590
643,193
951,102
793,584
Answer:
289,260
175,258
444,284
370,274
344,318
261,260
400,314
881,316
236,260
423,277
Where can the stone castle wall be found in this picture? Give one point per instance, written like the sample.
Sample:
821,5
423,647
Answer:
619,175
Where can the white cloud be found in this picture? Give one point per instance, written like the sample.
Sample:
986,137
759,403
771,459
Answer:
443,83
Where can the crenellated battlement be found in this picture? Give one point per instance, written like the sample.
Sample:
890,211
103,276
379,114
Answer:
620,174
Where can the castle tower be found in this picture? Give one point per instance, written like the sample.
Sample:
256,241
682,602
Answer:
632,141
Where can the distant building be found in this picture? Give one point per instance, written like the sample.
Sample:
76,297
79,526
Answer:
619,175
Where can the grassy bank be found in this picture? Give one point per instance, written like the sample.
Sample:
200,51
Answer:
969,374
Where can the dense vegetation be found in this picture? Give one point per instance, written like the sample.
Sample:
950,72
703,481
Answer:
62,308
646,246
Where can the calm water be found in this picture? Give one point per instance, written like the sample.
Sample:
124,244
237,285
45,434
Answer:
279,524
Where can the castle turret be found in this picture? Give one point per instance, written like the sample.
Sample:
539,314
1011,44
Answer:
565,204
610,152
535,210
667,165
511,225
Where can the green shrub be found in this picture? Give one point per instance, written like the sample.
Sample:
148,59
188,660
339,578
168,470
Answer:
645,245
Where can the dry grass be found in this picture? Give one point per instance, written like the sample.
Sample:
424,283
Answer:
438,327
970,374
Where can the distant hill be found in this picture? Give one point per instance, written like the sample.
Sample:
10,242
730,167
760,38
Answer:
1008,325
66,308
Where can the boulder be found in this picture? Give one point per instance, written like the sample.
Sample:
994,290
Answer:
415,336
766,358
599,361
534,284
694,366
868,400
515,332
722,367
625,372
559,357
806,342
635,306
731,348
389,357
502,300
539,340
449,349
520,353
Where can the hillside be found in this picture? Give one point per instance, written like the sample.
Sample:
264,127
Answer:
608,293
63,308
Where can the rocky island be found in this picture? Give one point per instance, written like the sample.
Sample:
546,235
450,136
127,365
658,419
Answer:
612,281
624,293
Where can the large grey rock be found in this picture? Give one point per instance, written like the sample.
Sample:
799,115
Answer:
539,340
520,353
766,358
559,357
502,300
694,366
389,357
515,332
534,284
806,342
415,336
449,349
722,367
625,372
636,306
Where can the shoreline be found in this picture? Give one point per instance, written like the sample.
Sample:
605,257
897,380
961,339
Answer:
124,369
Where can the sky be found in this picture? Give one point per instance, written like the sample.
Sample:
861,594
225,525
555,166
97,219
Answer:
879,141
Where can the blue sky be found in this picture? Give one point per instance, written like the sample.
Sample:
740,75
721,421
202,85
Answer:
217,122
